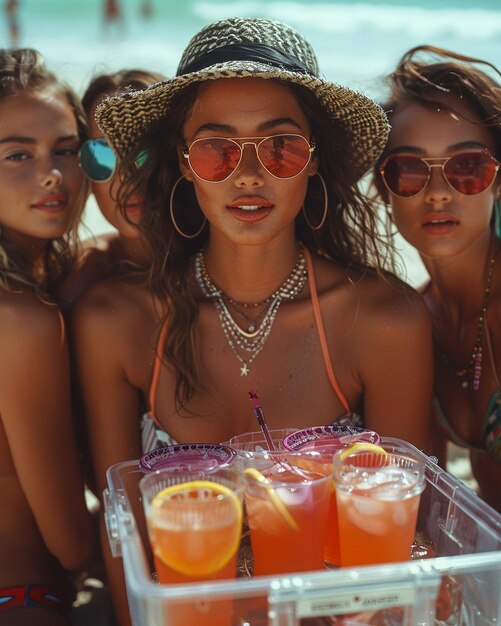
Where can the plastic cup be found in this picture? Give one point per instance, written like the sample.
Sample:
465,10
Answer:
256,442
377,503
287,501
194,522
193,518
188,457
327,440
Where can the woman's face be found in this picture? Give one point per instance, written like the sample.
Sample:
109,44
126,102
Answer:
251,206
40,179
106,192
440,221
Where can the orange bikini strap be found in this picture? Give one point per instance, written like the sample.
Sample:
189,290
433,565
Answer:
321,332
321,335
159,348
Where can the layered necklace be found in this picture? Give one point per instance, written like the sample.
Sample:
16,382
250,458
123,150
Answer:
257,317
474,366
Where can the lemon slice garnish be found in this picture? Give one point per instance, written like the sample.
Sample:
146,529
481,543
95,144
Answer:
194,490
274,498
361,446
210,536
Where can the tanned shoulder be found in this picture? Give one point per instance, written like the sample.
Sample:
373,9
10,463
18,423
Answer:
27,321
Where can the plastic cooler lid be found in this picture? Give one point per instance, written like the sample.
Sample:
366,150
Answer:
188,456
341,432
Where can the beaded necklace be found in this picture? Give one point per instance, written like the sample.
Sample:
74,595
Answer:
475,362
252,339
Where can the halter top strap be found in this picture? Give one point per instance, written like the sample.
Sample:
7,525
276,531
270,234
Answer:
320,331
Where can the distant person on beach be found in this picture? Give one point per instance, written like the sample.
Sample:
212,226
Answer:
112,13
11,11
266,270
45,529
440,177
146,9
122,251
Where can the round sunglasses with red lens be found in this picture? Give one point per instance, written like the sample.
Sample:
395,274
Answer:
214,159
470,173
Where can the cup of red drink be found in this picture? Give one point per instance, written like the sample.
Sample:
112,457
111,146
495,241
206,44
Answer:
287,498
326,441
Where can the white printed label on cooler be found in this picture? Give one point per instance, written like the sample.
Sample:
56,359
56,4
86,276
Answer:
355,601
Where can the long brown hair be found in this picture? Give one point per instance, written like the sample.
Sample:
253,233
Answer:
24,70
349,235
124,80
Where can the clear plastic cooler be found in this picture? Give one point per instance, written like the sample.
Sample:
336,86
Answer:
461,585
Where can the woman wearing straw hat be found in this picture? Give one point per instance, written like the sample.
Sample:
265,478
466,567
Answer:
261,247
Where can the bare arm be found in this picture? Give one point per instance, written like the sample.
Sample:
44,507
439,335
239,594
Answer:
396,357
35,408
112,407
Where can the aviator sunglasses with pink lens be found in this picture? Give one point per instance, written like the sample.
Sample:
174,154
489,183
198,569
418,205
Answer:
470,173
214,159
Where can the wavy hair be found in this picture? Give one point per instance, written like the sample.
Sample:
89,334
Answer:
23,70
425,73
104,85
349,235
119,82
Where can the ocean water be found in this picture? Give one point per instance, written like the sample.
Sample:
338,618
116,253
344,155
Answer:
357,42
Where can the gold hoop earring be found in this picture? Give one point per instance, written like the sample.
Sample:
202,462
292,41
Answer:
326,206
171,211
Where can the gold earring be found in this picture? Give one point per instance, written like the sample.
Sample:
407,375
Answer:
171,211
326,206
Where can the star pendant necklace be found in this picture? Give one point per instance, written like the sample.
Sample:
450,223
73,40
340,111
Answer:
257,317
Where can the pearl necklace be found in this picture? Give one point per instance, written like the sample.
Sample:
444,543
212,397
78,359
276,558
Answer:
252,339
475,363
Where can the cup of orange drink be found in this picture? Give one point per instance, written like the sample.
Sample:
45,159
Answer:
194,522
326,441
287,501
378,494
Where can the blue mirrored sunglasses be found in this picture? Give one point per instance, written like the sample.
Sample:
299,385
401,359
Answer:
98,161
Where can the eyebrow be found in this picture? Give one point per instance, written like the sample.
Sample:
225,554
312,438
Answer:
268,125
31,140
462,145
467,144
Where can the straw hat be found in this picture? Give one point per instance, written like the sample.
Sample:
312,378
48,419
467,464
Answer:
247,47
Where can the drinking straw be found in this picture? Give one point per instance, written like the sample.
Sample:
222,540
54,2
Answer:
259,413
